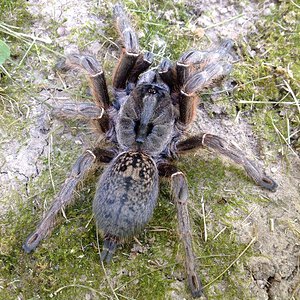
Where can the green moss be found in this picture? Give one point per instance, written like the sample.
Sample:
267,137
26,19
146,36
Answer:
70,255
212,179
265,80
15,12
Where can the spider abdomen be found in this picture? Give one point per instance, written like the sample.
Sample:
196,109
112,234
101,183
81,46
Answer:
126,195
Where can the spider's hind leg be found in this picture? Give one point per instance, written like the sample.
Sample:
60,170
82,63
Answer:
80,169
83,164
80,110
110,244
180,196
230,150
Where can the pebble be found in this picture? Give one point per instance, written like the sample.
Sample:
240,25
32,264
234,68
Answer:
267,12
199,32
61,31
78,142
261,283
223,10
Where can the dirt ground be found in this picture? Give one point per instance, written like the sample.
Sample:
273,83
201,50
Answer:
275,271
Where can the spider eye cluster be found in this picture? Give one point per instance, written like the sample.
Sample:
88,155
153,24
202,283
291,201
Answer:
151,91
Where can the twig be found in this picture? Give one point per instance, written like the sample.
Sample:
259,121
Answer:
257,79
141,276
80,286
219,232
292,93
110,41
249,215
204,220
288,130
266,102
23,35
272,223
295,291
239,256
49,162
26,53
295,4
284,139
5,72
26,38
224,22
89,221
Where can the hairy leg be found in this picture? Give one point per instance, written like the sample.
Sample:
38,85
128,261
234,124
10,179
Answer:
211,66
230,150
94,73
96,80
201,59
130,51
80,110
168,74
197,82
142,64
180,196
79,170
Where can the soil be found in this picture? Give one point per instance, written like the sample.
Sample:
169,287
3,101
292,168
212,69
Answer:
276,271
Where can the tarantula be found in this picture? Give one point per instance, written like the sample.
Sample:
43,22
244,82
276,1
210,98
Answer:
144,125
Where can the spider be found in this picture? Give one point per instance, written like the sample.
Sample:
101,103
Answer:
144,125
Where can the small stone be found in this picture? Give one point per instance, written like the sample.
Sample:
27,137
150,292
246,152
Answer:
199,32
51,76
252,53
78,142
267,12
61,31
88,297
71,49
261,283
223,10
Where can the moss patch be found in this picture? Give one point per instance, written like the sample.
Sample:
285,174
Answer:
268,77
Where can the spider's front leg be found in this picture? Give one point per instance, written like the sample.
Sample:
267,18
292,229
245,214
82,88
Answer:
201,59
130,52
197,82
80,110
230,150
168,74
94,73
79,170
212,66
97,83
180,196
132,63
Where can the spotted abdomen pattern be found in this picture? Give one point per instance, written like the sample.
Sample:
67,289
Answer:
126,195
